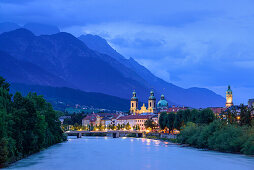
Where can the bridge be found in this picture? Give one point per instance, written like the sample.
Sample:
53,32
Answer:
114,134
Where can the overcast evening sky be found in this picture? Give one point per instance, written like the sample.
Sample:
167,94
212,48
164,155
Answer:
201,43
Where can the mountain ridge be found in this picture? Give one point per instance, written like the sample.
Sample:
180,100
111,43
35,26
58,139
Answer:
67,57
176,94
91,64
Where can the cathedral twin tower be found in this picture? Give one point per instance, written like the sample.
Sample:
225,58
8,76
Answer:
151,104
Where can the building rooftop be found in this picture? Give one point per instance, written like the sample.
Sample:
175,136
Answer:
91,118
135,117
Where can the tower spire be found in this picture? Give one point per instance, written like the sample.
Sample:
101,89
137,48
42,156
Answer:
152,102
134,103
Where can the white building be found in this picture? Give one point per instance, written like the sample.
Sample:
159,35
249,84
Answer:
134,120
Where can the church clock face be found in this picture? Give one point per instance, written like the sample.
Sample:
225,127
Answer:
229,99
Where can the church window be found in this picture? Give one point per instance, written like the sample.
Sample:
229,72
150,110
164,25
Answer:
132,105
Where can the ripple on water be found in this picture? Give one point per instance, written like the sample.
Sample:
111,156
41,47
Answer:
129,153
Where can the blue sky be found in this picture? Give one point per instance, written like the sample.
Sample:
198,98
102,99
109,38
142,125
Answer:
202,43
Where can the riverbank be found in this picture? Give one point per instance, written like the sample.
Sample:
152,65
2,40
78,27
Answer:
173,140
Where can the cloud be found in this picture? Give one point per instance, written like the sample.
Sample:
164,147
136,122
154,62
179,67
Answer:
189,43
137,42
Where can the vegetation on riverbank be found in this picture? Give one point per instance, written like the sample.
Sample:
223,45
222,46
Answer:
227,133
173,140
27,125
219,136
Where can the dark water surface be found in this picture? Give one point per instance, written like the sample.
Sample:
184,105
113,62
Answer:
101,153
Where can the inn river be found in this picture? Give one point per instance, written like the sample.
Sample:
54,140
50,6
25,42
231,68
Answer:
129,154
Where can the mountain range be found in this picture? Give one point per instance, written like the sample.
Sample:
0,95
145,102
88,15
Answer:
61,96
90,64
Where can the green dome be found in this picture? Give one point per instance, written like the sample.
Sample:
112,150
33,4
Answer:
229,89
152,97
134,96
162,103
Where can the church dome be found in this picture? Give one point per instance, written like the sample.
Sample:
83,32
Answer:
162,103
229,89
152,97
134,96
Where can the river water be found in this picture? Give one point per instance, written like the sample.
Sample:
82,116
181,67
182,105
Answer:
107,153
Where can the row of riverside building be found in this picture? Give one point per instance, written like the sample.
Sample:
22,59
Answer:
137,117
110,119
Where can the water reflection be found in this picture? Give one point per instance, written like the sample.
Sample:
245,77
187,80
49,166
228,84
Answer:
130,154
156,142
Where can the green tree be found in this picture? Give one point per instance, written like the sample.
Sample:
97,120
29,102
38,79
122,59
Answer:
205,116
3,151
245,115
128,126
118,127
4,84
113,127
163,120
231,116
186,116
149,123
178,123
76,118
27,124
194,115
100,127
230,138
170,121
123,126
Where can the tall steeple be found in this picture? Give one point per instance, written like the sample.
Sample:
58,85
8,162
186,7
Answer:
152,102
229,97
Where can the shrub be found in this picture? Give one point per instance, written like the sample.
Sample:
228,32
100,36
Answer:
219,136
186,133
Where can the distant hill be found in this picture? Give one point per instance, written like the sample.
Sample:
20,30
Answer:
42,29
73,96
194,97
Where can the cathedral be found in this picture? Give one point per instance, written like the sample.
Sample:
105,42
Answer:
151,104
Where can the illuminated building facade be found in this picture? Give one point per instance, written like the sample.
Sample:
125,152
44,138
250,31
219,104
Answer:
229,98
151,104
